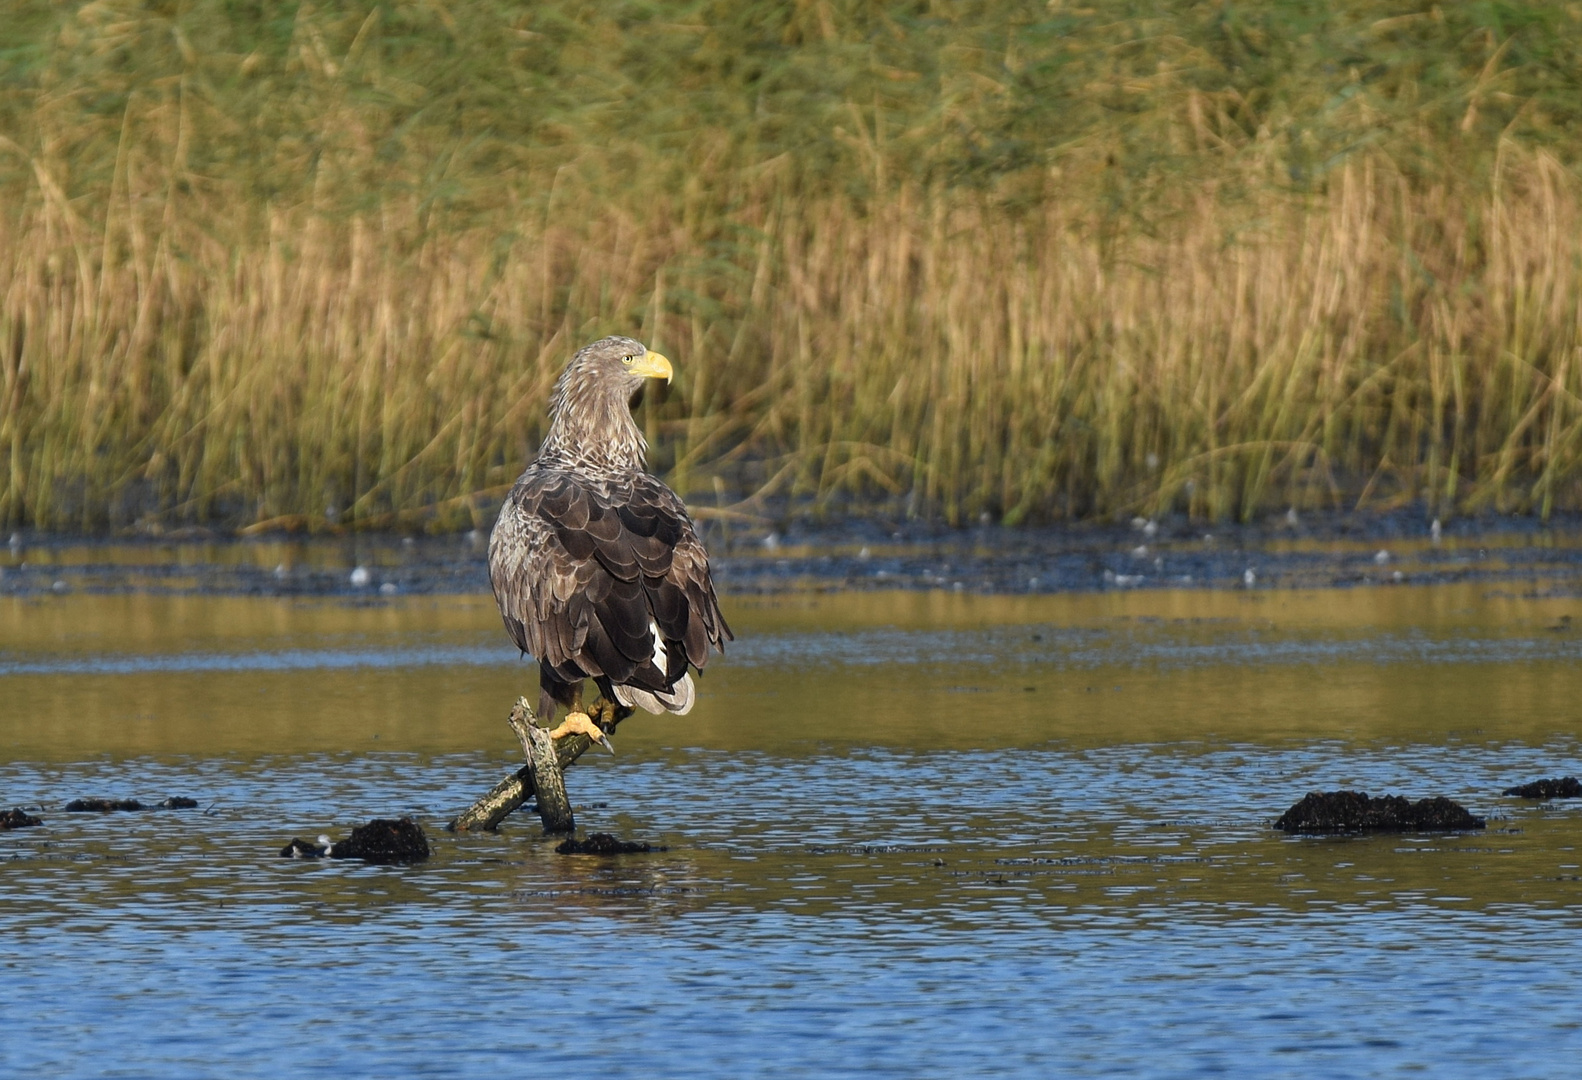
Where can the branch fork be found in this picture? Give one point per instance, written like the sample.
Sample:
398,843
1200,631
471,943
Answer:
542,776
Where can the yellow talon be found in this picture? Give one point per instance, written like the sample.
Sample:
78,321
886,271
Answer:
577,723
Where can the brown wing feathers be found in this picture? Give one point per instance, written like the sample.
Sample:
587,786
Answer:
592,573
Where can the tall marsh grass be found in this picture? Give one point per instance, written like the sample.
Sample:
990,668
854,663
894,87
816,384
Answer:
319,265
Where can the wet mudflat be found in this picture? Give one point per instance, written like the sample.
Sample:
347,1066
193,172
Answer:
765,557
905,833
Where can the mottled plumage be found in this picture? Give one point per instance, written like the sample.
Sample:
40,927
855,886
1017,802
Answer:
596,567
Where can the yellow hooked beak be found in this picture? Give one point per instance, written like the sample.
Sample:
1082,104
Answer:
651,365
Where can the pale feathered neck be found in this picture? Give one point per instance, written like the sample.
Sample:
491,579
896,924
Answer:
591,426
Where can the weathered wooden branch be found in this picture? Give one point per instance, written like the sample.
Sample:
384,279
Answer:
487,813
516,789
554,806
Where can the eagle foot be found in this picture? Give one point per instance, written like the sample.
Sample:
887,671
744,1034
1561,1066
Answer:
578,723
607,713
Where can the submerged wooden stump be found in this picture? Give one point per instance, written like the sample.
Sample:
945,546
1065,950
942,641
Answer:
542,777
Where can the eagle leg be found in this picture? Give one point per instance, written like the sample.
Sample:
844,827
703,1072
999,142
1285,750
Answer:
607,712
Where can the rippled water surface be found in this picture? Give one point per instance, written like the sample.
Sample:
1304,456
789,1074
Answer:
924,833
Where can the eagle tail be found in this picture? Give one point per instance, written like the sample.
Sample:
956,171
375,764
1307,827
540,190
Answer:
678,699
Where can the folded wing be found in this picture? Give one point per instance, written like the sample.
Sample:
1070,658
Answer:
606,582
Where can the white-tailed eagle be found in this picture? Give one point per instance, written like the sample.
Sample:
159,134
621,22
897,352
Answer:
598,570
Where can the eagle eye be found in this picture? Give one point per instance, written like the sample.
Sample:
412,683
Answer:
628,359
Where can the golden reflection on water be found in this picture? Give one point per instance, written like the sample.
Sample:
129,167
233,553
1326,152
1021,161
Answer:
426,699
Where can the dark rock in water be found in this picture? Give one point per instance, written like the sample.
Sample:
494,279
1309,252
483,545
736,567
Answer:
102,806
1567,787
601,843
18,818
1355,811
105,806
382,840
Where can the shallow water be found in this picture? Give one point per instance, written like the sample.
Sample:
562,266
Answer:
920,833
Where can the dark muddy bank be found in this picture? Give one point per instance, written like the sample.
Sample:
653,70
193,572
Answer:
1285,551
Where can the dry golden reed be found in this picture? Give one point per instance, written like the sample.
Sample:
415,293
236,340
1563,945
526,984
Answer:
324,276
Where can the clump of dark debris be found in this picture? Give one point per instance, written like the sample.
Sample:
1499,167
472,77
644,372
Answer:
105,806
601,843
102,806
384,841
1355,811
18,818
1566,787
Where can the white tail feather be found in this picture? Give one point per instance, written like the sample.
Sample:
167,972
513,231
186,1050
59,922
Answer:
678,699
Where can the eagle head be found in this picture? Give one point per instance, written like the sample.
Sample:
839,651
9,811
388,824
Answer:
590,421
620,363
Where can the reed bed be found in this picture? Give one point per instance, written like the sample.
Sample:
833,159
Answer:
319,270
